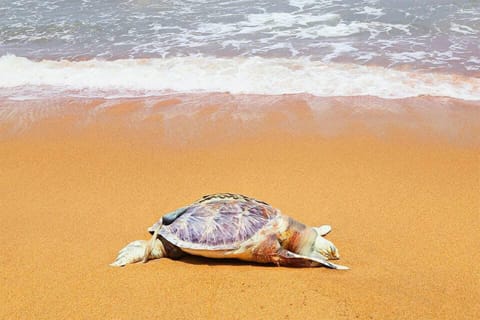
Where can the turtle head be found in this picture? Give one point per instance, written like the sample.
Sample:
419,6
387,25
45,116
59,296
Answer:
325,248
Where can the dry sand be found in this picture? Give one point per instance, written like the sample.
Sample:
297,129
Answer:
398,182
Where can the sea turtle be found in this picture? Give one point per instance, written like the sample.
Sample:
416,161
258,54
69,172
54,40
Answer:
227,225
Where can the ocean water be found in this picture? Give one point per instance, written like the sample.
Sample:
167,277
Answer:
384,48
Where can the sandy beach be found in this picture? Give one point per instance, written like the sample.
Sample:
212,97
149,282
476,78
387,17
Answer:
398,180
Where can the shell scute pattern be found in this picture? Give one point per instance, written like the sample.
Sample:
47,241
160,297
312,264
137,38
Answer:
218,223
228,196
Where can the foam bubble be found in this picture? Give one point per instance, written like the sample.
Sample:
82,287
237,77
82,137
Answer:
461,28
339,30
409,56
282,19
371,11
302,3
21,77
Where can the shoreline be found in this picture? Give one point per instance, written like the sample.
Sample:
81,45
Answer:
179,119
397,180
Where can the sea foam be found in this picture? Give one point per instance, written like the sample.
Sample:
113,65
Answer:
250,75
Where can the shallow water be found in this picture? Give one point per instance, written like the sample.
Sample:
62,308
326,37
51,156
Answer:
425,34
267,47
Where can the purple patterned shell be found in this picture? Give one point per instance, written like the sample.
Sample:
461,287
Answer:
218,222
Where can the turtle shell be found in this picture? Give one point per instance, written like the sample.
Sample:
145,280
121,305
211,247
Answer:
217,222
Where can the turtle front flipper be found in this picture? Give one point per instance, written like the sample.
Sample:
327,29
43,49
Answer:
269,250
291,259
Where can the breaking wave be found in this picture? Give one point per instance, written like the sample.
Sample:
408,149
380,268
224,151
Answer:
22,78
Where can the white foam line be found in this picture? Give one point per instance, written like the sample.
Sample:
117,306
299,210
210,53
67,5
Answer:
146,77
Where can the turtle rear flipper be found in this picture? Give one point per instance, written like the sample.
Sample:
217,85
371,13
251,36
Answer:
133,252
291,259
323,230
139,250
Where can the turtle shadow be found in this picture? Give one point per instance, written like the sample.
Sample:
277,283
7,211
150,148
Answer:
197,260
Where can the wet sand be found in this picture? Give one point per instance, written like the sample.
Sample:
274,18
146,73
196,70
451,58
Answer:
398,180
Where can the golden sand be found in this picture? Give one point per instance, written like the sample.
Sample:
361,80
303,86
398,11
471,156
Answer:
398,182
